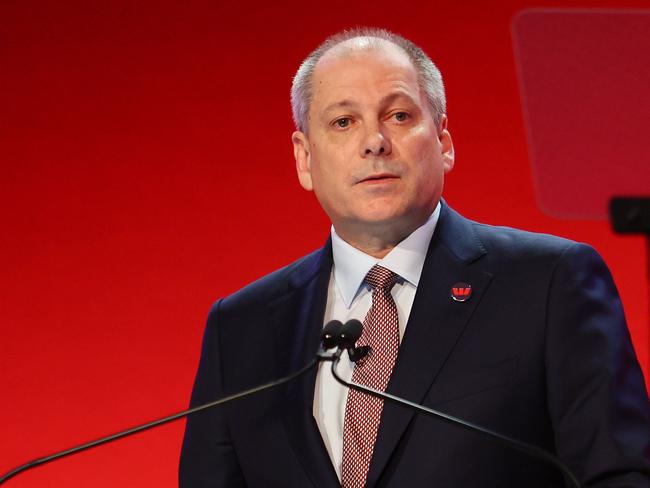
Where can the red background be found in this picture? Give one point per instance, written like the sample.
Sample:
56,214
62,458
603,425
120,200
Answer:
147,170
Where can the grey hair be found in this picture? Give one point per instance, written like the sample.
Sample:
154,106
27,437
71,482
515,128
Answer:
429,75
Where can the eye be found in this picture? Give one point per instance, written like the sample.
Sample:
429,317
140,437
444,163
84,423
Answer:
343,122
401,116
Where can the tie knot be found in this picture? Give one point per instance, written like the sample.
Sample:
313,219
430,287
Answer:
380,277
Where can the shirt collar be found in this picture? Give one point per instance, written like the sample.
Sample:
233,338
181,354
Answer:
406,259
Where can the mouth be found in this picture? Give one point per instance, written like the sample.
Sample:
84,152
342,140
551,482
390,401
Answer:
379,178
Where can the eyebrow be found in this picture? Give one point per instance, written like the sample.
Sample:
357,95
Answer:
346,103
349,103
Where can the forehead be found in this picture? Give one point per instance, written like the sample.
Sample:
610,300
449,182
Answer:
363,69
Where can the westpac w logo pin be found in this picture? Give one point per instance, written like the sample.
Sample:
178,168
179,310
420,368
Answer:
460,292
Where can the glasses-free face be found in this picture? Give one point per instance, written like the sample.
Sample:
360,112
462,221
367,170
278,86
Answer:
372,154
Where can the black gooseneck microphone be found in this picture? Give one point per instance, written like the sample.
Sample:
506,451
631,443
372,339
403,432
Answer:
350,333
335,334
331,337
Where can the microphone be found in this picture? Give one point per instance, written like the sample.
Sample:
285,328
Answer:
330,338
352,329
348,334
330,335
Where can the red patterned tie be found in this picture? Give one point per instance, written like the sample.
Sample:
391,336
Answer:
362,412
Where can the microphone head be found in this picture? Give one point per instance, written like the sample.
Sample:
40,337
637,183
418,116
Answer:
330,336
350,333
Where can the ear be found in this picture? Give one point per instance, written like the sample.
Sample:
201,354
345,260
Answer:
301,152
447,145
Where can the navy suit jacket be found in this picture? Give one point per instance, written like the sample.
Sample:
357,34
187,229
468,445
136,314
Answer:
539,352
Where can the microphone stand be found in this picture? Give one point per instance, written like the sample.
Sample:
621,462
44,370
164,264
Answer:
508,441
320,356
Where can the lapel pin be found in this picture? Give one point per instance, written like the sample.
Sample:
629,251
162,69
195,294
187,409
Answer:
460,292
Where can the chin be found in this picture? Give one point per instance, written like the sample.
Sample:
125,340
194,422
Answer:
383,217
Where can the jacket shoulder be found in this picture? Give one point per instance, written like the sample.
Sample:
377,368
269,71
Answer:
517,249
275,284
470,240
521,242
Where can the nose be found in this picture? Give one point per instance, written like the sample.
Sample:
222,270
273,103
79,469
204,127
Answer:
375,142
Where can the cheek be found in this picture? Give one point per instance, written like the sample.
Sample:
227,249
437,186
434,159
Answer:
323,176
424,153
330,162
424,156
422,140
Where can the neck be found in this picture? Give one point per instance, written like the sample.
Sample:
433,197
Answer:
376,241
375,248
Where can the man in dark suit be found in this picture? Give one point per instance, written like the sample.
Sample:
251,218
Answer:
521,333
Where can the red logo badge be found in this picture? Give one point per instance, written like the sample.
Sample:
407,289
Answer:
460,292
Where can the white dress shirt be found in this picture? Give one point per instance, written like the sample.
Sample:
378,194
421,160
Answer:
348,297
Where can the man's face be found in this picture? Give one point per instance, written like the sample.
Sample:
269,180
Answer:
373,154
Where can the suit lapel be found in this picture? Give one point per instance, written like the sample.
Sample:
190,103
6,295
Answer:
435,325
298,318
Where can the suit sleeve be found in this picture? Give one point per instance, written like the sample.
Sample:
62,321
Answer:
596,393
208,458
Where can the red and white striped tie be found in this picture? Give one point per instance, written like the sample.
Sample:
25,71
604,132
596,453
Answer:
363,412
